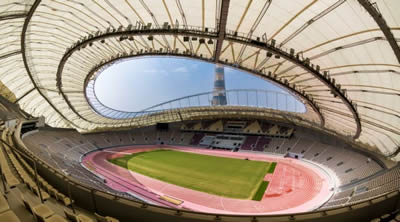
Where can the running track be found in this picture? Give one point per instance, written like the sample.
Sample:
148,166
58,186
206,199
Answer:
294,187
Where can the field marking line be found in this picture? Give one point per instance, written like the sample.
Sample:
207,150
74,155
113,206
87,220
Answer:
108,151
165,187
222,204
255,207
284,181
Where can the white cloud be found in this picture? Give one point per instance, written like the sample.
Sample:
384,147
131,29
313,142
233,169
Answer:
154,71
181,69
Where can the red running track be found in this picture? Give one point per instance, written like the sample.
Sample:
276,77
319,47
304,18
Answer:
295,186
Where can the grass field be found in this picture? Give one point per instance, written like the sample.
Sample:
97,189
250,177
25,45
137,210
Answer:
229,177
272,168
260,192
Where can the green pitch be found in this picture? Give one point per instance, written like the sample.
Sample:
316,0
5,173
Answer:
229,177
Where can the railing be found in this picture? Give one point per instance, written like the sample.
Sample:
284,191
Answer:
238,97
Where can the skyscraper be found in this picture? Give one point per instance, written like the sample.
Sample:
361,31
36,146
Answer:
219,95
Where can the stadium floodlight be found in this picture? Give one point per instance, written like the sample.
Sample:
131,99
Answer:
165,25
292,52
307,61
326,74
202,41
185,38
210,42
273,41
333,93
269,54
150,38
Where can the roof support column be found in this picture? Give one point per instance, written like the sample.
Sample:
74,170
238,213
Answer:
372,9
221,28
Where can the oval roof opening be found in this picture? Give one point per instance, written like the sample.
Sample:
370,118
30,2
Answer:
159,83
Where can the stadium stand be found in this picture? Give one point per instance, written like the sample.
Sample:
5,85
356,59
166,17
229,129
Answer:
249,142
30,194
195,140
186,138
338,60
207,140
50,145
362,167
230,142
235,126
217,126
262,143
253,128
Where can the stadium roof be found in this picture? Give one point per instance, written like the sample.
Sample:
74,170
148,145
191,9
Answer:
340,57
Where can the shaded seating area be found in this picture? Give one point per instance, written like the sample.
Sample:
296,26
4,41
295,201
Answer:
6,214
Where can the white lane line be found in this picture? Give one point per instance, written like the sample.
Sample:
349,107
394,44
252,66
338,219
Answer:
258,209
107,151
222,204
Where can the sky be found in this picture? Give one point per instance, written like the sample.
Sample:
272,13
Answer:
139,83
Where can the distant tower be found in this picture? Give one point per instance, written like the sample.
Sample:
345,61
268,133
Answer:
219,95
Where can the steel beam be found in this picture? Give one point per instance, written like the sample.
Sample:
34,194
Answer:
13,16
306,66
25,94
395,153
4,56
221,29
24,58
380,21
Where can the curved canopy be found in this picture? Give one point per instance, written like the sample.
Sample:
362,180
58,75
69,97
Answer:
340,57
